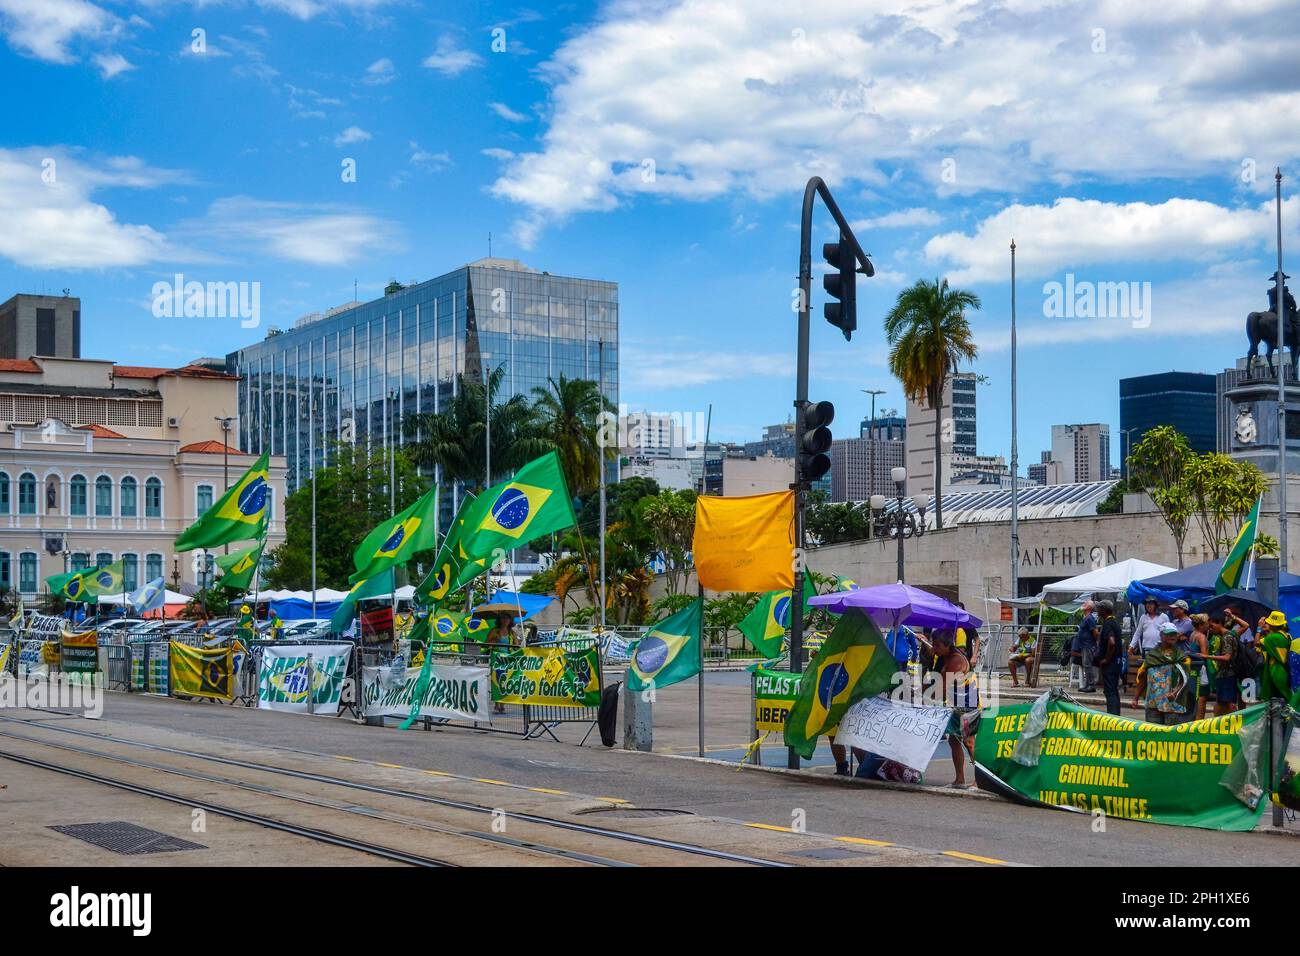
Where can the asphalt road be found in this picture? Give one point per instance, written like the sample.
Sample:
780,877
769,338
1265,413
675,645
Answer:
930,820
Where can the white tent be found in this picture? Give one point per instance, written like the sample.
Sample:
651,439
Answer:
1111,579
172,597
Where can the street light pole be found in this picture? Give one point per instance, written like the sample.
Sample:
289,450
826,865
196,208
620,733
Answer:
225,456
1281,384
871,436
898,523
1015,448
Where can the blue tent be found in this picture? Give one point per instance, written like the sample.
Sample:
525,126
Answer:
296,609
1197,583
530,604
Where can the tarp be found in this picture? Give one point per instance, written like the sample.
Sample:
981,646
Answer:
530,604
297,609
1196,583
894,604
1111,579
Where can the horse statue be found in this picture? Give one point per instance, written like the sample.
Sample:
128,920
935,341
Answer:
1262,327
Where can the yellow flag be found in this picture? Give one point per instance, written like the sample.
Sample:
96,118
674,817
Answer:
745,544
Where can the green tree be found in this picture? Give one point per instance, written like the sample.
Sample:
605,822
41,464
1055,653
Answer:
929,337
837,522
670,517
351,498
455,437
1113,503
569,415
1222,492
1157,465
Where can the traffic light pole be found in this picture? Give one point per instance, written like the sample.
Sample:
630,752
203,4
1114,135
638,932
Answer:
816,187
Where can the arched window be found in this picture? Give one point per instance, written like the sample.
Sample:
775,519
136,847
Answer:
153,499
103,497
127,504
6,572
27,572
153,568
77,495
27,494
130,572
4,492
80,560
202,499
103,559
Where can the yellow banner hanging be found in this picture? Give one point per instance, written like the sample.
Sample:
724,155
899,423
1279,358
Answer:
745,544
202,672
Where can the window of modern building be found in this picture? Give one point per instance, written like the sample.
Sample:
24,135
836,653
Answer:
80,561
153,567
77,495
45,335
130,572
153,499
128,503
6,573
4,492
103,559
103,496
27,494
203,499
27,573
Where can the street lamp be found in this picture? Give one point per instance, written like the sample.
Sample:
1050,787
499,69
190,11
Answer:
225,421
899,523
871,436
1128,447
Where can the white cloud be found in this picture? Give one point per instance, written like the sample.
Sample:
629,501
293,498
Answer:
432,161
1075,233
111,64
307,9
960,97
45,28
450,59
312,234
506,113
380,72
654,367
496,152
899,218
51,221
353,134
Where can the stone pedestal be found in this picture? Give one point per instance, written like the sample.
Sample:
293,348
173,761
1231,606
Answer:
1252,428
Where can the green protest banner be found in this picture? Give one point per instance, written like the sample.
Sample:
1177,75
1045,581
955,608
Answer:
551,676
1089,761
774,694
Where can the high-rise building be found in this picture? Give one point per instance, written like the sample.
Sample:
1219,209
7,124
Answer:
357,373
852,463
778,440
1083,452
658,434
957,435
1185,400
885,427
48,325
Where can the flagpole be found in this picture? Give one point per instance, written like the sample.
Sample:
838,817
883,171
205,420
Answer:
1015,452
311,452
600,346
1281,384
699,681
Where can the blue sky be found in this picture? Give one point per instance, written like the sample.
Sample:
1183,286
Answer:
665,146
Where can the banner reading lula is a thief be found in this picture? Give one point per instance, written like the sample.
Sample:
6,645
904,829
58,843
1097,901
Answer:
453,693
1093,762
893,729
286,675
548,676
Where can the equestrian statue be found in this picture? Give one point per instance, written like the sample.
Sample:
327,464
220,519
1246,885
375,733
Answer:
1262,327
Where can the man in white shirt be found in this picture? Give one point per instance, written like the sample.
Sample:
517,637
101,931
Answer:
1146,634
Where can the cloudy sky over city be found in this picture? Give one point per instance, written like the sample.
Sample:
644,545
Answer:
664,146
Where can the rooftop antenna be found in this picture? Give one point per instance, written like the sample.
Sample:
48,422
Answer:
354,289
489,245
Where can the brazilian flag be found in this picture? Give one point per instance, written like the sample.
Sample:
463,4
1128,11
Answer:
342,617
238,515
846,584
669,652
89,584
57,582
533,503
853,663
446,574
1234,565
394,541
239,567
766,624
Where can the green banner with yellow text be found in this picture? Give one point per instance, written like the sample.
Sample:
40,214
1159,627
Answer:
549,676
774,695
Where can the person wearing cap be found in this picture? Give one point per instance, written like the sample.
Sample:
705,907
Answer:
1275,647
1163,680
1181,619
1110,651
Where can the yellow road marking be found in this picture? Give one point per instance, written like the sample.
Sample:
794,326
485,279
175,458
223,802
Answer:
971,856
768,826
864,841
435,773
394,766
562,793
342,757
499,783
611,799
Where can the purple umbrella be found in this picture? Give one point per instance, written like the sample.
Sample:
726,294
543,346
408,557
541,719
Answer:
899,604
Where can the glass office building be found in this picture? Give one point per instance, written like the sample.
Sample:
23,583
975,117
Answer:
1185,400
355,373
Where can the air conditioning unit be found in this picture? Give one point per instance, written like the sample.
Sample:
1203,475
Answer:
173,421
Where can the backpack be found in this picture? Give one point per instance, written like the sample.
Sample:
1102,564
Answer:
1247,661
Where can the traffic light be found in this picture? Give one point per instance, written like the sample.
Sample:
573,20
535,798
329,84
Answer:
816,440
842,285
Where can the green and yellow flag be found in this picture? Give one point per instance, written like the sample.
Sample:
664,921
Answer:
238,515
342,617
1234,565
669,652
766,624
535,502
853,663
57,582
394,541
89,584
238,567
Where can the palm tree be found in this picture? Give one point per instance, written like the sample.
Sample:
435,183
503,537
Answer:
928,337
569,416
455,438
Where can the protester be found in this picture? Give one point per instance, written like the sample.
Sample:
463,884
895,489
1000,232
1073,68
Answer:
1022,653
1200,651
1274,647
1180,619
941,654
1223,653
1110,649
1084,647
1146,633
501,635
968,641
1163,680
